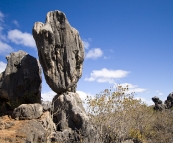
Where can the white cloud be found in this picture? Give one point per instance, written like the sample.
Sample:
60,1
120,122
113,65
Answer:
106,75
94,53
148,102
48,96
5,48
160,93
82,95
2,66
15,22
1,16
86,44
133,88
21,38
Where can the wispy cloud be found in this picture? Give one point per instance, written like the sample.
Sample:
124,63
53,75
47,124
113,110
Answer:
20,38
94,53
148,102
133,88
2,66
82,95
106,75
5,48
48,96
159,93
15,22
1,16
86,44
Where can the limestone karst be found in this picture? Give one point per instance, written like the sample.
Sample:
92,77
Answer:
60,50
166,105
20,82
61,54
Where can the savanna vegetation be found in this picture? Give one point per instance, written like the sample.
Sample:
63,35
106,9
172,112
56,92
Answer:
119,117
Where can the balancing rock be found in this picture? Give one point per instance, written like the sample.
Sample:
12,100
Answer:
60,50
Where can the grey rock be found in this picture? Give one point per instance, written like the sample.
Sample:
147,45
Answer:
20,83
72,121
47,106
60,50
169,101
158,104
28,111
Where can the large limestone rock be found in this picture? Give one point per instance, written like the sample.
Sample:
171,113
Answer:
28,111
72,121
20,82
60,50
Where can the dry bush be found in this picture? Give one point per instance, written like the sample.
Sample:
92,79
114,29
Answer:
119,117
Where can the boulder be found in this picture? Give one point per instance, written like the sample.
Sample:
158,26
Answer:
72,121
47,106
60,50
158,104
169,101
20,83
28,111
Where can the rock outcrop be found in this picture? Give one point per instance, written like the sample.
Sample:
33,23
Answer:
169,101
60,50
72,121
61,54
27,131
28,111
20,83
158,104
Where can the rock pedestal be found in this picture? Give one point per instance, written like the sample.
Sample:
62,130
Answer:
60,50
72,121
158,103
61,54
20,83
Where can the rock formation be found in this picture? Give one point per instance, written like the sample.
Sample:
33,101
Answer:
28,111
167,104
169,101
34,130
158,104
61,54
20,82
60,51
72,120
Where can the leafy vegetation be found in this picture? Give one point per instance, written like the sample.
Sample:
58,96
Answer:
119,116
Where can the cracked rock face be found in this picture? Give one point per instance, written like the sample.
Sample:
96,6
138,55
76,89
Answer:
60,50
20,82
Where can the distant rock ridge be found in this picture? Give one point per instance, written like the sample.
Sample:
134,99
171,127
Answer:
166,105
60,50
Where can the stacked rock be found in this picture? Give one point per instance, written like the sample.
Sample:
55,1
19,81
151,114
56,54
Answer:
158,104
61,54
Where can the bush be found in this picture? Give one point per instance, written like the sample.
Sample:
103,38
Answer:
118,116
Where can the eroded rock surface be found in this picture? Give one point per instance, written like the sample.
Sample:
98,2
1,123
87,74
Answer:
20,82
28,111
71,120
60,50
169,101
27,131
158,103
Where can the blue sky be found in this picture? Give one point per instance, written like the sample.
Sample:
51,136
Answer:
125,41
